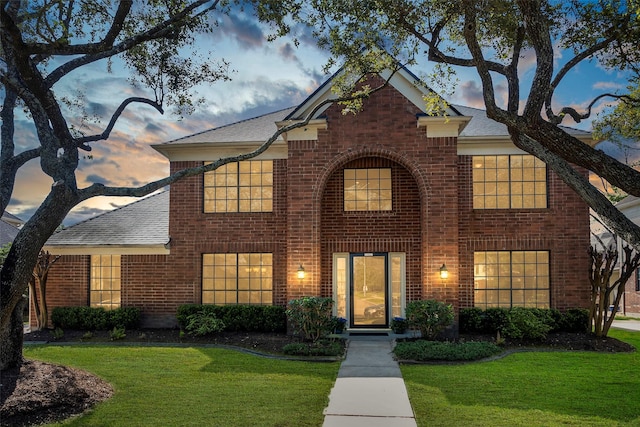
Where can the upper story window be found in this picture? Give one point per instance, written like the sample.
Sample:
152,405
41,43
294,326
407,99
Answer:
237,278
240,187
511,279
367,189
509,182
105,283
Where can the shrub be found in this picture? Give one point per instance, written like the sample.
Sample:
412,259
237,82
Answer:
575,320
496,319
321,347
65,317
241,318
429,316
58,334
472,320
95,318
117,333
311,317
124,317
526,324
422,350
201,324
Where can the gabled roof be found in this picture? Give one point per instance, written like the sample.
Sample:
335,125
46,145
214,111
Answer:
403,80
8,232
256,129
12,219
141,224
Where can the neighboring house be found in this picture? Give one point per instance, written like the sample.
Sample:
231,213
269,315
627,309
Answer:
9,227
366,209
630,207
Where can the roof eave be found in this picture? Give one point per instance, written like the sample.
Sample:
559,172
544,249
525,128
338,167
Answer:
199,151
133,249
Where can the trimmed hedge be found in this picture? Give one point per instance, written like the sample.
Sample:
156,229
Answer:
522,322
422,350
238,318
95,318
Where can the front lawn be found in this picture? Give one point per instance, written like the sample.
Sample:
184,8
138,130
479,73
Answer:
531,389
165,386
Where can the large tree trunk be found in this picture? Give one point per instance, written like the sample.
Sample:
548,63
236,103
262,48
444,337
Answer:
11,338
18,269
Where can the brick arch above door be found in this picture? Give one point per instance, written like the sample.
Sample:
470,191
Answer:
398,230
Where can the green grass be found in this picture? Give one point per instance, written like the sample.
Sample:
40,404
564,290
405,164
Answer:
531,389
165,386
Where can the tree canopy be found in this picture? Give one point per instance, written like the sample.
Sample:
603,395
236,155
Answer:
494,38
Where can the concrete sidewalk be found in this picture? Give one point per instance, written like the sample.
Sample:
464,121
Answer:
369,390
629,325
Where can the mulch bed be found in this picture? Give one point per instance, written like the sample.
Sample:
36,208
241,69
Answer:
39,392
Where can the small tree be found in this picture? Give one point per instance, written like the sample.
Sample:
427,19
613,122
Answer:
311,317
429,316
38,287
603,264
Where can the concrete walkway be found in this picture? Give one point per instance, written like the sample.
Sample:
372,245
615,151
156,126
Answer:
629,325
369,390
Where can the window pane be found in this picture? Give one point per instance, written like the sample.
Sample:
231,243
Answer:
105,281
519,278
240,278
367,189
517,182
249,180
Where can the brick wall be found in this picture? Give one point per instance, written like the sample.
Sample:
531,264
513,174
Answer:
67,284
194,232
562,229
384,133
632,297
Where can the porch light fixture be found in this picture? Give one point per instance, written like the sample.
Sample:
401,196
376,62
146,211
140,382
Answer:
444,273
301,272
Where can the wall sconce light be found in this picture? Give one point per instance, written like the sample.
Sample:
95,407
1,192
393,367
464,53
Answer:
444,273
301,273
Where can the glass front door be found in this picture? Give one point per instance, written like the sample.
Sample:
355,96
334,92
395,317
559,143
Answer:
369,290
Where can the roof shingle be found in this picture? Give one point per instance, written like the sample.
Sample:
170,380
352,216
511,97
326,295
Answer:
142,223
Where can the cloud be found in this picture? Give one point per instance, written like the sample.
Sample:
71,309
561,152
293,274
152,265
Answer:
287,52
246,32
98,179
608,86
97,109
471,94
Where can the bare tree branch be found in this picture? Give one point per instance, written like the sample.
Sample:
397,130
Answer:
540,38
563,72
116,25
482,66
114,118
578,117
102,190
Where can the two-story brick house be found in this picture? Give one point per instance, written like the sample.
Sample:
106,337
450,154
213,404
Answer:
368,209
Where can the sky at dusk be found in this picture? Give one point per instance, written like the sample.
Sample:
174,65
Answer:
267,76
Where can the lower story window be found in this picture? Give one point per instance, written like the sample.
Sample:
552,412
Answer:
237,279
105,284
511,279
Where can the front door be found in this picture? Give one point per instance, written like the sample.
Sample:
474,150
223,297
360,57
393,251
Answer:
369,290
